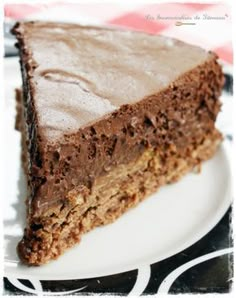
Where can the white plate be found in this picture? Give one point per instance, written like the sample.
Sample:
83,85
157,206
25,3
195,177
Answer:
163,225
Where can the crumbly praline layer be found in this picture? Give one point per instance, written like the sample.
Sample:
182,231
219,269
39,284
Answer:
186,109
47,237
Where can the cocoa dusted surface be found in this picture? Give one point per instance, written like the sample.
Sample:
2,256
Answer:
176,102
79,74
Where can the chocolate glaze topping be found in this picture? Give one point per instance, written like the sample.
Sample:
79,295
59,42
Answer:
97,97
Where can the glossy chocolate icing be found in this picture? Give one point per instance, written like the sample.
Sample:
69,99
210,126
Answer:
97,97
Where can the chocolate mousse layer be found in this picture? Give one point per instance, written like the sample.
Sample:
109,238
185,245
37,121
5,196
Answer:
98,102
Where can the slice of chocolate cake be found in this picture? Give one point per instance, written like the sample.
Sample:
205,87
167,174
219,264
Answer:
108,117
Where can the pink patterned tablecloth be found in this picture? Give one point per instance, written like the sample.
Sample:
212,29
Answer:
212,27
